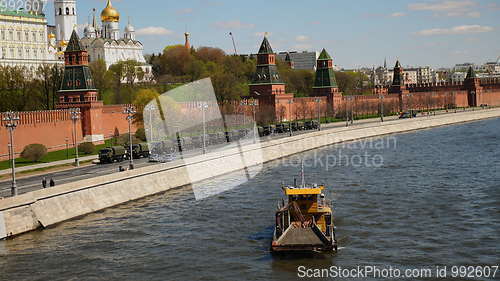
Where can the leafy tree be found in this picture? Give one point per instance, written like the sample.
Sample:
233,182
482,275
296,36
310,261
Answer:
141,134
142,98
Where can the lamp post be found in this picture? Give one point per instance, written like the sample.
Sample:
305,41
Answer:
150,108
130,111
254,105
381,97
204,106
351,98
11,119
318,100
75,115
67,148
290,102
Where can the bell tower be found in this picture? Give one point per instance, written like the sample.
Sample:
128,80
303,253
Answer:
65,19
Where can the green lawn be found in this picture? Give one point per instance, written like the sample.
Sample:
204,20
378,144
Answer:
52,156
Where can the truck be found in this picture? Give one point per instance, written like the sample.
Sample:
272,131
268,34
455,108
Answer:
140,150
112,154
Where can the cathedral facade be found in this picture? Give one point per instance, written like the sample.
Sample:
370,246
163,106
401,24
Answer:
104,42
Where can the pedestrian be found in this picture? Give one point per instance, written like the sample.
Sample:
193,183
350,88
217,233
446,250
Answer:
44,182
52,183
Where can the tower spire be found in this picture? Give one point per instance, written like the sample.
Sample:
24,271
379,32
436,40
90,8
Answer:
186,43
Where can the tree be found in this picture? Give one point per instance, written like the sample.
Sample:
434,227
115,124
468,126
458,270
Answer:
102,77
142,98
34,152
141,134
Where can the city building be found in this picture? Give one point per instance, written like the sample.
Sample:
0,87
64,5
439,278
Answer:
301,60
105,42
25,42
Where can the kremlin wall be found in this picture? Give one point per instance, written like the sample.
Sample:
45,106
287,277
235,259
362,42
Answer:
54,128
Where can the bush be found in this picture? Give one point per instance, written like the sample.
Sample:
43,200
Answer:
141,134
86,148
34,152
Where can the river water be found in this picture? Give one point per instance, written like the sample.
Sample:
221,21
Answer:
414,200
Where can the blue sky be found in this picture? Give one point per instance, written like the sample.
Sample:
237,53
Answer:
356,33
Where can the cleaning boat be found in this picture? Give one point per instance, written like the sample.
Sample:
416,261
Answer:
305,222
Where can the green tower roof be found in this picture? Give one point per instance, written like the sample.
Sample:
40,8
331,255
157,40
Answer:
74,44
471,73
324,55
265,47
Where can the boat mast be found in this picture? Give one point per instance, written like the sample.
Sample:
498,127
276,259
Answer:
302,174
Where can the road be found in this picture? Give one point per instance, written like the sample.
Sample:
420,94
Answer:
31,183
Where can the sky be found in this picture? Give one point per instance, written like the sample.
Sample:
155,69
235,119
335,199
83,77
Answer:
436,33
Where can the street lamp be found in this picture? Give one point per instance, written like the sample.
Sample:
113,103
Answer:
204,106
150,108
130,111
290,102
318,100
254,105
381,97
75,115
351,98
67,148
11,119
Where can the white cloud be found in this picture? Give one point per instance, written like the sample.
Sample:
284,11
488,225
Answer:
236,24
463,29
443,6
154,30
398,14
301,38
450,8
262,34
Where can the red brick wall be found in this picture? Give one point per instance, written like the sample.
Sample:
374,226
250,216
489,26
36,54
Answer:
50,128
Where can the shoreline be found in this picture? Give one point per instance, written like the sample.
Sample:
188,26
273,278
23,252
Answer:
43,208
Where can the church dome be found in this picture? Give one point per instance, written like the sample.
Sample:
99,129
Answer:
110,14
129,28
89,29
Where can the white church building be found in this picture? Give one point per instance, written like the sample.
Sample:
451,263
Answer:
105,42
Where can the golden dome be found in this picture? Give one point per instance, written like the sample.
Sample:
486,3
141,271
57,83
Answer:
110,14
52,35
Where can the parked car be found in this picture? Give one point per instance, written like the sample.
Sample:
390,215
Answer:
269,130
407,114
213,139
311,125
112,154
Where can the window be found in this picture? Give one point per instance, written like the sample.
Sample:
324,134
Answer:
34,36
27,53
19,36
20,52
67,11
4,52
73,11
60,11
35,53
2,34
27,36
11,35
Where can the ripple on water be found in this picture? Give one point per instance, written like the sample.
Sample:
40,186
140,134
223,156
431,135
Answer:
434,201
